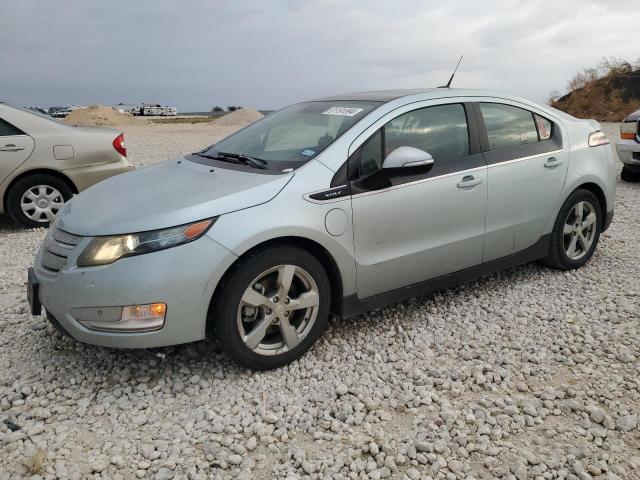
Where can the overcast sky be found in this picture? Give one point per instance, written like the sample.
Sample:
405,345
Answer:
196,54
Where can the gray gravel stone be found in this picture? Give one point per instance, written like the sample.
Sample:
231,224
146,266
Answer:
626,423
530,373
163,474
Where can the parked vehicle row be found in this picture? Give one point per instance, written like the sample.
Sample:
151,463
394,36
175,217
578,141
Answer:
43,163
337,205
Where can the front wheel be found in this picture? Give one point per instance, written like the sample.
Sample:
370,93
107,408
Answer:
272,308
576,231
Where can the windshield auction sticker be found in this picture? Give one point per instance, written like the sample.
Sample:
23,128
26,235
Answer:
343,111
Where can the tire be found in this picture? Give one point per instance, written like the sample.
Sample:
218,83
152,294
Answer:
586,234
234,320
628,176
39,186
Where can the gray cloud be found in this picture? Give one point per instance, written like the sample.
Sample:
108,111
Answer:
197,53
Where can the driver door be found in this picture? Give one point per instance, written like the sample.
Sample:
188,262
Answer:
414,226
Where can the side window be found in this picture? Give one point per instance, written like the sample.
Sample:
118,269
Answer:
7,130
508,126
442,131
545,127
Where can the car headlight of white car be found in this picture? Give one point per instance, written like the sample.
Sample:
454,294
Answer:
106,250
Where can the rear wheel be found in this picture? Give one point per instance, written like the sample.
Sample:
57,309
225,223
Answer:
36,199
272,308
576,231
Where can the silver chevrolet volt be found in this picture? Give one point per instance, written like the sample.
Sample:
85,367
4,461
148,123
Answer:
332,206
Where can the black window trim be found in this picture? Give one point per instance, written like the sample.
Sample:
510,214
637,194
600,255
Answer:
516,152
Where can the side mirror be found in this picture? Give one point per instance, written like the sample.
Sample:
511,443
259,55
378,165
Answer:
407,157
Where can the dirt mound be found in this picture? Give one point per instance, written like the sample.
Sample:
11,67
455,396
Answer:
607,99
101,115
241,117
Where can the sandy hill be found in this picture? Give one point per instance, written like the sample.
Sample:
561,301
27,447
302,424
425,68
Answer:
101,115
607,99
241,117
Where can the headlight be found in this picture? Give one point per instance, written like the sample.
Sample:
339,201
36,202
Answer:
105,250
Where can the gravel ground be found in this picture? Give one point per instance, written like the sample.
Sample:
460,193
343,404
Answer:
530,373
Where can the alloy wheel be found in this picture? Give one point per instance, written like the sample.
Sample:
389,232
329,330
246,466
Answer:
41,203
278,309
579,230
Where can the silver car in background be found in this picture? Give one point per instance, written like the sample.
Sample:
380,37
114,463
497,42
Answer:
44,162
628,147
338,205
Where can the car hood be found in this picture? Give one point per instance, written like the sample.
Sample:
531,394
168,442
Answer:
165,195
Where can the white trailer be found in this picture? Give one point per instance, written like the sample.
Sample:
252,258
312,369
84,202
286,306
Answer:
158,110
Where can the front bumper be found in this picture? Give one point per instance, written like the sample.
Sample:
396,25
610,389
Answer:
628,152
84,177
183,277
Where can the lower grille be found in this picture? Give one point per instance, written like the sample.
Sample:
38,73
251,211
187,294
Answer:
58,245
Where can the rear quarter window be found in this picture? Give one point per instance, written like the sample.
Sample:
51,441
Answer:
8,130
545,127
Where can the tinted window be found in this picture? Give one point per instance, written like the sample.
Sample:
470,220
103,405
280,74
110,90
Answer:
508,126
6,129
441,131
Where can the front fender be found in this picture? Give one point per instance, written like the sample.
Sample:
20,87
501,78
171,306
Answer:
290,215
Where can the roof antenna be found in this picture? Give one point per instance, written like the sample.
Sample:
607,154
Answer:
448,85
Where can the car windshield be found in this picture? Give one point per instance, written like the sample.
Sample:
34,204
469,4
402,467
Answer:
292,136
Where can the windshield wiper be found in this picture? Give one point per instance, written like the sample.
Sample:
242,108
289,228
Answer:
246,159
235,158
203,154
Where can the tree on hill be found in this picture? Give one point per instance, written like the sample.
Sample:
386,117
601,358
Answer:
607,92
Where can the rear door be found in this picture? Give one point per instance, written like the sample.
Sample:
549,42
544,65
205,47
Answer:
413,228
527,167
15,148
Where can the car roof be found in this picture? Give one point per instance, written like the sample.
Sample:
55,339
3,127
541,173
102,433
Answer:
424,93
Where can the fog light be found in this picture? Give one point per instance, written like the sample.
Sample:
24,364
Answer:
143,312
132,318
143,317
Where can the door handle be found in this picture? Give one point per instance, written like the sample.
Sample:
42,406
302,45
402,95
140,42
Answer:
552,162
469,181
10,147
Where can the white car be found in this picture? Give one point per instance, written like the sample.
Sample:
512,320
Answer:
338,205
43,163
629,147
